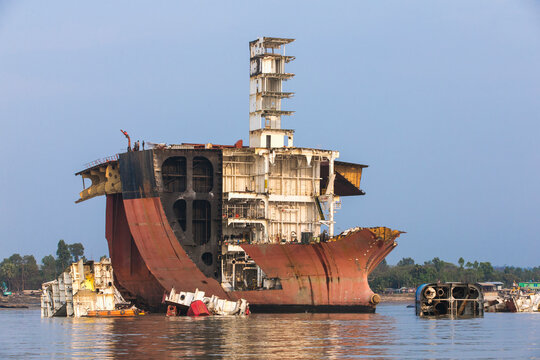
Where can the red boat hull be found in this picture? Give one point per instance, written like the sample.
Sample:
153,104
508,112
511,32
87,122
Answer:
332,276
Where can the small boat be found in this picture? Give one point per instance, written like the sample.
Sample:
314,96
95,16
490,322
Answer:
115,313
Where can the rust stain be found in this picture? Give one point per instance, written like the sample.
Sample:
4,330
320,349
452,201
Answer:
327,273
311,289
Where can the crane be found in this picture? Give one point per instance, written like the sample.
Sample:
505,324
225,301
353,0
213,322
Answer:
129,139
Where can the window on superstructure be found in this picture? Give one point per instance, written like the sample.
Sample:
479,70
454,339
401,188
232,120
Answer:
174,174
279,67
203,177
273,85
201,221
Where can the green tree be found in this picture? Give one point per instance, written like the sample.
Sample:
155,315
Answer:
385,276
17,281
21,272
33,278
76,250
63,256
426,274
8,272
48,268
486,271
438,263
383,266
406,262
400,278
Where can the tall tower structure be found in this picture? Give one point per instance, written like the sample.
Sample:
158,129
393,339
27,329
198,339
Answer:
267,73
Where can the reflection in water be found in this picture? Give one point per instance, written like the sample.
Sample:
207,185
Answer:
258,336
394,332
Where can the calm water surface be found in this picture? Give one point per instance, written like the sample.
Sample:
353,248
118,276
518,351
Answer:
393,332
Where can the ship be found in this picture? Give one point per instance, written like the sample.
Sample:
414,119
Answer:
254,222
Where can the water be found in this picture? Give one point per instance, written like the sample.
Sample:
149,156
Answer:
393,332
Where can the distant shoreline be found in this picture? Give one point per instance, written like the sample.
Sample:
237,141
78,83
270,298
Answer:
33,301
390,298
19,301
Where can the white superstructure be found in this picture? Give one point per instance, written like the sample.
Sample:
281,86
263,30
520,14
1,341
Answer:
272,190
267,74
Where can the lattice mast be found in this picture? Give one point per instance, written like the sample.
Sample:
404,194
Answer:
267,73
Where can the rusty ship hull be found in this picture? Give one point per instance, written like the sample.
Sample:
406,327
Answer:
331,276
254,222
150,255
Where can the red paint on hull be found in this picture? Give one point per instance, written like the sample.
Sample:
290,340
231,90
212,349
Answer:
163,254
326,274
332,273
130,270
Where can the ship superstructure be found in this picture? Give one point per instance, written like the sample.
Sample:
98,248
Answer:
267,74
253,222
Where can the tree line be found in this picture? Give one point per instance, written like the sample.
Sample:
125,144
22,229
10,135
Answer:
408,274
23,272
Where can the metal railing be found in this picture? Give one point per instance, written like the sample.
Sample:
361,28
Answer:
101,161
242,212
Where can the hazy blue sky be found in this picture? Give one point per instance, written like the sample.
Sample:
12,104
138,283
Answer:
440,99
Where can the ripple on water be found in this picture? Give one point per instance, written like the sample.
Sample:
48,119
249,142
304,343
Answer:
393,332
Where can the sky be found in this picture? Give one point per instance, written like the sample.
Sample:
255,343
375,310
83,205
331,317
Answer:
440,99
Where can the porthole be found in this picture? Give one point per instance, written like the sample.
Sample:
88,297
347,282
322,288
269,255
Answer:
207,258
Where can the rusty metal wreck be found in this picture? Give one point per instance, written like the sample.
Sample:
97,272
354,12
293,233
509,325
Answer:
253,222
